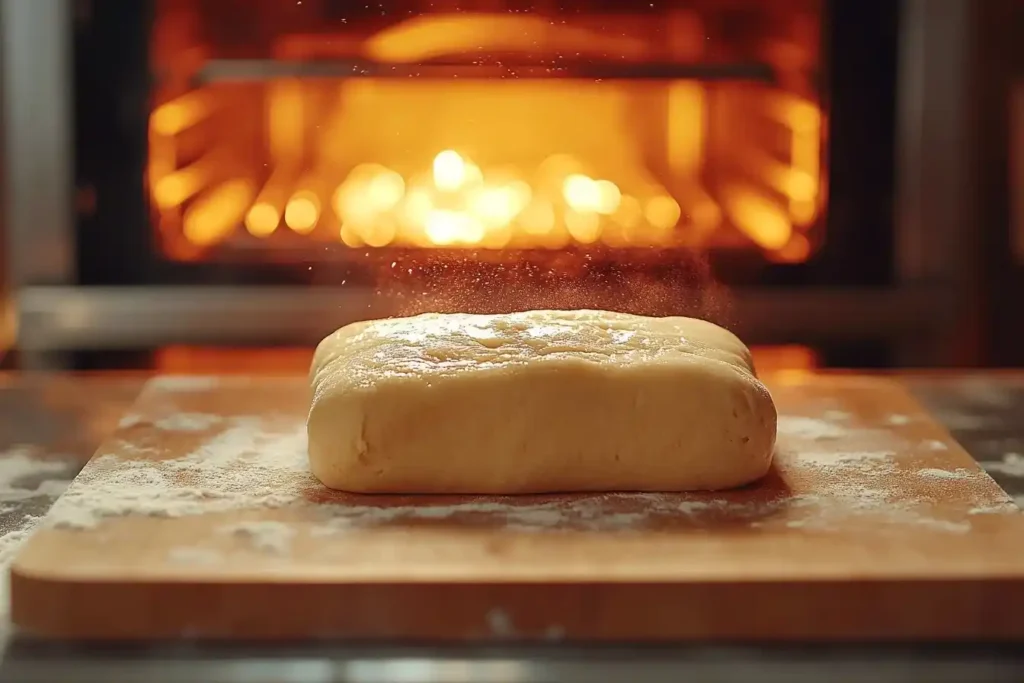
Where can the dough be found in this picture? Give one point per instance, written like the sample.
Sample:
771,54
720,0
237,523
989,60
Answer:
541,401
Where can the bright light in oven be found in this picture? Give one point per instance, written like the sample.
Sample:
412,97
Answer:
489,163
302,212
450,171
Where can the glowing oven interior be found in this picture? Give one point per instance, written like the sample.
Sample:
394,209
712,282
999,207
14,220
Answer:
290,127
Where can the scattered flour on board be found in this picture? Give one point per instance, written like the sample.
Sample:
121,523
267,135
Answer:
175,422
259,462
876,462
194,556
251,463
270,537
859,485
861,481
554,633
187,422
997,508
810,428
935,473
500,623
593,512
130,420
183,383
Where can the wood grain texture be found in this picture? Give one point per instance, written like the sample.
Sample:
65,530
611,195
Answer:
873,524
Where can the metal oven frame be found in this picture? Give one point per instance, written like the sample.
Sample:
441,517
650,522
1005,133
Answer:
924,315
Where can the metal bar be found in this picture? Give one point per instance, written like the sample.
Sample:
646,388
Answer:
57,318
333,662
38,175
219,70
1016,159
936,238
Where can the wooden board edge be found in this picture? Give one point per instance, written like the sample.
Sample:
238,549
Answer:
582,612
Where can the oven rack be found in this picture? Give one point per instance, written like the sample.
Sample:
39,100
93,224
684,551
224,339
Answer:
235,70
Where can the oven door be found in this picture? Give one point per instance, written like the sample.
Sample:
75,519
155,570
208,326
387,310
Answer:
224,160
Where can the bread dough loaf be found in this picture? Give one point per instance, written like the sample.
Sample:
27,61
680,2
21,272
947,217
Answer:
541,401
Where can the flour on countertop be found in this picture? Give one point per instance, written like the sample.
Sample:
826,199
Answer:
24,474
10,543
21,461
956,421
53,487
1012,465
984,392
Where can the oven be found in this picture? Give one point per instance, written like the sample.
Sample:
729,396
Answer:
263,171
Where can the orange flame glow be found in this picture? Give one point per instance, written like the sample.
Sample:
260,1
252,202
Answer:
490,163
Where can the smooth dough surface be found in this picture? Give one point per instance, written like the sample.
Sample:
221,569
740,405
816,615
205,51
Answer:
540,401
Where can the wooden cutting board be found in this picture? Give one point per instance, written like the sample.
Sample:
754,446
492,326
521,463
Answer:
198,518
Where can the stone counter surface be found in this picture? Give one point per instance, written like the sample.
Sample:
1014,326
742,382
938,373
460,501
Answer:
50,424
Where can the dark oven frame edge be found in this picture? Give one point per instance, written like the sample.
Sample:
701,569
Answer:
926,298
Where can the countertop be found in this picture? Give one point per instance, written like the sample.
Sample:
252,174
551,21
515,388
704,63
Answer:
50,424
